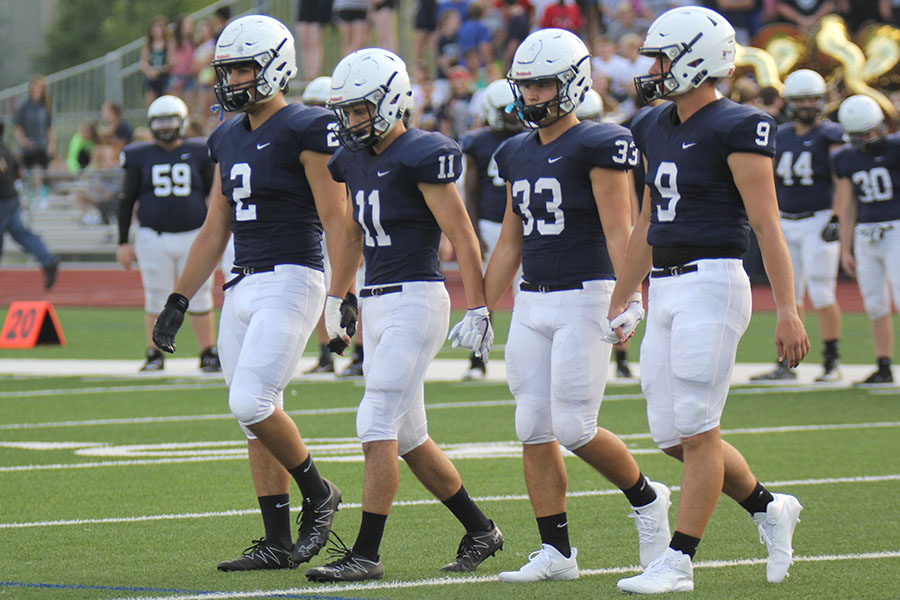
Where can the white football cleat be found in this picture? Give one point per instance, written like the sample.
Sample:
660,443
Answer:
546,563
652,522
671,572
776,530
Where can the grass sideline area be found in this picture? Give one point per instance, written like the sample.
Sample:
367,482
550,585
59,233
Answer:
124,489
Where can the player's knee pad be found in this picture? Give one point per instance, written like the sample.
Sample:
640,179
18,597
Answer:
375,419
877,305
248,408
572,427
202,302
408,439
155,298
533,426
821,290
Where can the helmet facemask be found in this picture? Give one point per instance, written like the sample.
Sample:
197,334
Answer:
870,141
367,133
661,85
239,96
167,128
544,114
807,115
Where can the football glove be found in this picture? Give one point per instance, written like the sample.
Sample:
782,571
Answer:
474,332
168,322
628,321
340,320
831,232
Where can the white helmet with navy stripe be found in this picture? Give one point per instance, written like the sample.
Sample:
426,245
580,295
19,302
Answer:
498,96
167,118
591,108
317,92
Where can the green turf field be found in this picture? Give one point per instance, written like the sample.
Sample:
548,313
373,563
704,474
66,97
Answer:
113,488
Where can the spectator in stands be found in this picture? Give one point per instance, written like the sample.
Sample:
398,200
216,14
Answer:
476,35
803,13
81,147
206,75
222,16
425,25
638,65
113,130
772,103
11,216
455,117
743,16
183,77
314,15
34,132
860,12
626,21
447,53
98,198
563,14
615,67
383,21
156,58
518,26
460,6
353,23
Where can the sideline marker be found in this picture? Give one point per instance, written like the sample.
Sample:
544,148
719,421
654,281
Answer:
31,323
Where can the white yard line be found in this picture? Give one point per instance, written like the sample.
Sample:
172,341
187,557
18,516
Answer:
423,502
445,581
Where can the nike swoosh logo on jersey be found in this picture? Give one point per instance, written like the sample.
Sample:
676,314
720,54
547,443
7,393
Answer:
809,142
185,156
686,145
553,160
261,146
383,173
281,504
879,158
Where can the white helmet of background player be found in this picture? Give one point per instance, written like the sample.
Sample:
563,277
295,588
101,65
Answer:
167,118
591,108
862,120
317,91
698,41
377,77
551,54
260,40
804,83
497,97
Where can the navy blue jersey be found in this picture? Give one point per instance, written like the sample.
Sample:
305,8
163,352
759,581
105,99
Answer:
803,168
275,219
480,144
875,177
172,192
695,202
401,235
563,239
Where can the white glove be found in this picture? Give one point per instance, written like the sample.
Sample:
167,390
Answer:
474,332
333,317
628,321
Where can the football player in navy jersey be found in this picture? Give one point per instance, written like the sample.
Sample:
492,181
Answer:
169,179
485,190
567,222
805,189
868,185
401,183
709,177
272,190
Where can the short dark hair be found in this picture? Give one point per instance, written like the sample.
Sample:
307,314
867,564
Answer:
224,12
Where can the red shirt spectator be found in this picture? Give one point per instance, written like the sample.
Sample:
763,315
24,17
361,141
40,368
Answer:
563,16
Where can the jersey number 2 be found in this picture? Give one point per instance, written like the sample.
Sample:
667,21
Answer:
242,211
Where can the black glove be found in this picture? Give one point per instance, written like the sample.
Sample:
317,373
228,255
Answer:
349,314
832,230
168,322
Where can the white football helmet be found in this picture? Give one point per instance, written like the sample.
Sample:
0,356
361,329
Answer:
498,96
167,118
551,54
804,83
377,77
591,108
317,91
268,45
698,41
862,120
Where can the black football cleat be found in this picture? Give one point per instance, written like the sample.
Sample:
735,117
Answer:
261,555
474,549
878,378
315,523
350,566
209,361
155,360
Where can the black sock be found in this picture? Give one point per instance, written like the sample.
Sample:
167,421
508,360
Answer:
554,530
641,493
758,499
308,479
831,350
884,364
621,356
783,363
685,543
276,514
358,353
324,354
466,511
371,530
